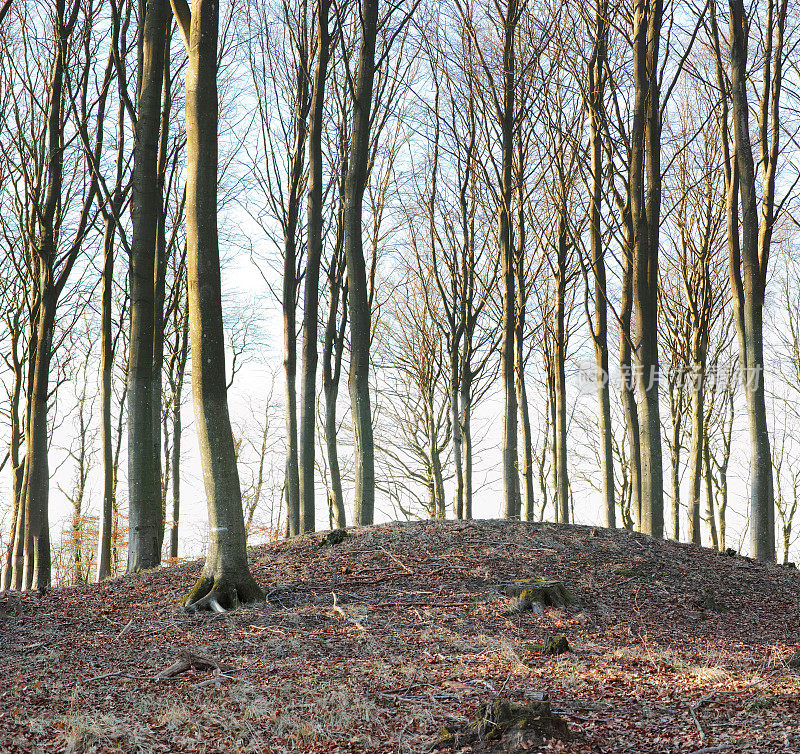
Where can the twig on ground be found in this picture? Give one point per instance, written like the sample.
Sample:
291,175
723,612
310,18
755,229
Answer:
396,560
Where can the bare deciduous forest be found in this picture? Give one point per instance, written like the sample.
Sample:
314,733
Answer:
552,250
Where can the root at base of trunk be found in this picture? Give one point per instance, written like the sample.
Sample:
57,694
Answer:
218,593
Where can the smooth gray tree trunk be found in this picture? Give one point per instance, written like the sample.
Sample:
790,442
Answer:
358,304
225,579
308,380
144,483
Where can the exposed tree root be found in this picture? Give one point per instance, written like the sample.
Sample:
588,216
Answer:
223,592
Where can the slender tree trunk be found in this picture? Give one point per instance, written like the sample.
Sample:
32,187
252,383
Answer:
519,338
600,331
712,521
511,496
676,417
225,578
18,542
159,292
290,388
358,304
645,164
749,272
455,421
330,386
290,288
17,467
696,451
466,429
9,560
144,483
338,518
105,523
332,352
177,429
436,467
527,440
628,383
562,477
308,382
106,436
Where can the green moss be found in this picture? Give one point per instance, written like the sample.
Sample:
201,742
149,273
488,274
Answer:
336,537
556,645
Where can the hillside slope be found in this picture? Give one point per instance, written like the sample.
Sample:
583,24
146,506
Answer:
675,648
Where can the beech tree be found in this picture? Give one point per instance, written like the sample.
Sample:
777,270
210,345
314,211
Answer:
308,382
750,235
225,580
144,374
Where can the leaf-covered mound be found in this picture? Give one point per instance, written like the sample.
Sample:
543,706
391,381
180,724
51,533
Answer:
402,630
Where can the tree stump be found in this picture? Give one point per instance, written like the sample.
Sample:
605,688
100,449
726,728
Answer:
535,595
504,726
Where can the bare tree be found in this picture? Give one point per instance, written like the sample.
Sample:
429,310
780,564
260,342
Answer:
750,237
226,580
144,408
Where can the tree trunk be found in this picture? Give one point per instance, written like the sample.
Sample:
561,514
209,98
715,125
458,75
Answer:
676,417
519,338
628,383
527,440
106,437
749,272
13,554
144,483
600,330
290,288
105,524
159,285
562,478
712,521
332,352
225,579
466,429
696,451
336,502
36,565
455,421
511,496
308,382
8,563
645,164
177,429
358,304
290,389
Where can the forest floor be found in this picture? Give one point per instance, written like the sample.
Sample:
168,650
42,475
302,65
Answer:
379,642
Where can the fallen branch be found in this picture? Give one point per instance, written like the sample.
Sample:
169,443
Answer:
339,611
397,560
192,661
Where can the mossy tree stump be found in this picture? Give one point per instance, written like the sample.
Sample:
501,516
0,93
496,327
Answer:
504,726
535,594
